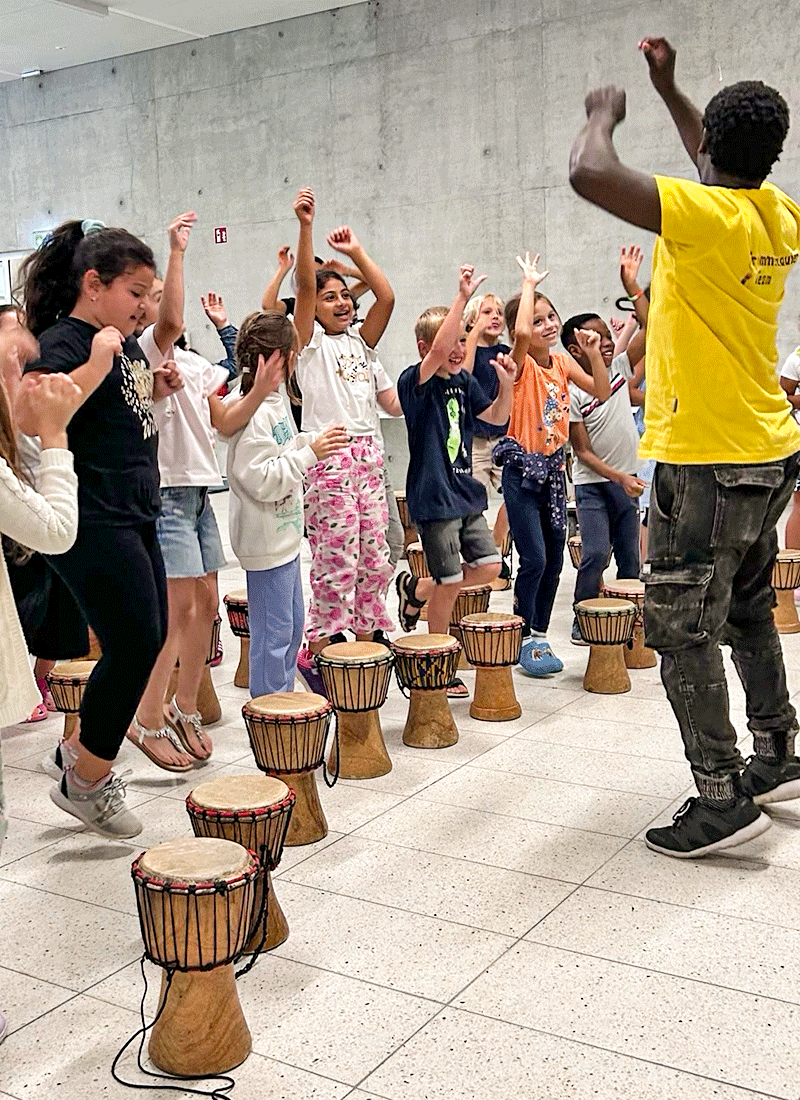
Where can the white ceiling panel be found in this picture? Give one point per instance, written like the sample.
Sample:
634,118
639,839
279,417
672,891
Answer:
52,34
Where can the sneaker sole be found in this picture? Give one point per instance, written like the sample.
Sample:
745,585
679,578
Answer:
782,793
64,804
741,836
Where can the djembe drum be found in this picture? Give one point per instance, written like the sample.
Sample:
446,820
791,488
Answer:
471,600
254,811
67,682
418,565
493,642
575,547
287,734
195,899
409,529
607,625
425,665
356,677
638,655
239,620
785,578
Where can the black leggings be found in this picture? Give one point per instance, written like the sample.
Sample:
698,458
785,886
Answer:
116,575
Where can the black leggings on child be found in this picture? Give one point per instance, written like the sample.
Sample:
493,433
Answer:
116,575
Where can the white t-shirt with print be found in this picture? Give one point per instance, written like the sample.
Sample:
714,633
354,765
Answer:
609,424
340,378
185,436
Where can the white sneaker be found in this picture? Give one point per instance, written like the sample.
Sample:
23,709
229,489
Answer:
62,756
103,811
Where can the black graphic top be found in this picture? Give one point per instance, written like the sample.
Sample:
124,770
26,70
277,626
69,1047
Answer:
486,377
440,417
113,435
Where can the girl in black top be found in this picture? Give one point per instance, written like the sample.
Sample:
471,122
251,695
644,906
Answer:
83,294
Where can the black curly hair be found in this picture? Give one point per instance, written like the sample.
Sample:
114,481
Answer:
746,125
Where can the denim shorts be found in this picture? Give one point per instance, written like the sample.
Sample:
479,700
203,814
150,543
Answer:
447,541
188,533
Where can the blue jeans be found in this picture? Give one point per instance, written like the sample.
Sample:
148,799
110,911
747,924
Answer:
276,612
607,519
540,547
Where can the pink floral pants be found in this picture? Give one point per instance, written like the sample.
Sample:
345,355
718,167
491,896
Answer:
346,521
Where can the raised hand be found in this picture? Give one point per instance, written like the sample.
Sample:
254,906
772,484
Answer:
505,367
303,206
660,57
105,345
333,439
530,270
215,310
630,260
180,230
616,325
44,406
609,101
468,282
344,240
285,258
269,374
167,380
587,339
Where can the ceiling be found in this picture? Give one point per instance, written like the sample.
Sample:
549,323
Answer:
57,34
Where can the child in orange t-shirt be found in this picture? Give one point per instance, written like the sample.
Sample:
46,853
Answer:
532,457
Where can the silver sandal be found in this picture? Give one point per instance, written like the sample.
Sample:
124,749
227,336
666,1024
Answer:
165,731
180,721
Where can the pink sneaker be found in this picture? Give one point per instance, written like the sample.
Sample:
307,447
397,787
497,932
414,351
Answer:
47,697
309,673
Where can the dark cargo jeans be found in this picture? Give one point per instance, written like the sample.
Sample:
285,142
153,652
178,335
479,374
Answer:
711,548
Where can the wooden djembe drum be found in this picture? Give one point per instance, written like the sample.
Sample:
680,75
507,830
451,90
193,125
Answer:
409,530
418,565
493,642
785,578
607,625
426,665
239,622
471,600
67,682
637,655
356,677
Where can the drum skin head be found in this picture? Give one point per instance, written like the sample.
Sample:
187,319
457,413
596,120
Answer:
622,589
347,653
491,618
287,703
236,597
195,859
426,642
71,669
240,792
604,605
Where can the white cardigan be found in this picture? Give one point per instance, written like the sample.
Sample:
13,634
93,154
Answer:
45,520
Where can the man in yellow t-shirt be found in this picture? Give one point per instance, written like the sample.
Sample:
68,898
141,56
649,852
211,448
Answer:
720,429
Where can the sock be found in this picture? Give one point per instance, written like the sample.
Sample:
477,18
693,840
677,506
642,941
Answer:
74,780
538,636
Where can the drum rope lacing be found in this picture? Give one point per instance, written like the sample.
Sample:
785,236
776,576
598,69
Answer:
429,662
355,695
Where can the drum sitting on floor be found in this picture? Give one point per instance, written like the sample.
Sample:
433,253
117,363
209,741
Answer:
493,642
426,665
471,600
67,682
638,655
254,811
356,677
208,703
195,899
409,530
575,547
607,625
239,621
785,578
287,734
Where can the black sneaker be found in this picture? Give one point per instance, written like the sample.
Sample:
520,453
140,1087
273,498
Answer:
381,637
337,638
699,829
576,637
765,782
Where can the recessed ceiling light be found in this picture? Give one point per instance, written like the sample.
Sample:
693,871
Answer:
31,72
61,47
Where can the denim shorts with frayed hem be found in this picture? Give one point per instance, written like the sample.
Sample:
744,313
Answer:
188,533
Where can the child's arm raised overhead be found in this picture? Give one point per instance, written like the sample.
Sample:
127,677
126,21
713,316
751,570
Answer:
523,329
170,323
269,299
450,328
229,416
305,307
629,263
344,240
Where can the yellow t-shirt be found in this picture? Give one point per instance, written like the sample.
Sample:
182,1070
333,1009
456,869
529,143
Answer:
719,269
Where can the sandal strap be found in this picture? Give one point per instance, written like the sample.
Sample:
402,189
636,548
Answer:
195,720
165,731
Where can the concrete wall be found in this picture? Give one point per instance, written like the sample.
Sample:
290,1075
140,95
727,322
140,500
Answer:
439,129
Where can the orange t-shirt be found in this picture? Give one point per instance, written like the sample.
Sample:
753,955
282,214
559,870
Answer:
540,416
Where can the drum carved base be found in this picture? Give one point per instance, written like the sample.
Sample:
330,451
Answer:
606,673
202,1029
307,824
786,620
207,701
242,677
430,723
362,750
639,656
495,699
463,663
70,722
277,927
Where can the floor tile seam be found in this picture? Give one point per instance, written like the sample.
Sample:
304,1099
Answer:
47,981
593,748
400,1046
66,897
622,1054
661,972
538,821
278,873
405,909
14,1031
569,783
444,855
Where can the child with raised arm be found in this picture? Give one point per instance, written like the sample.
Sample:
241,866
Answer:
266,465
532,457
342,380
441,402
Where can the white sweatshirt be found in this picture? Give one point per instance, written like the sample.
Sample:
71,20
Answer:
266,463
46,521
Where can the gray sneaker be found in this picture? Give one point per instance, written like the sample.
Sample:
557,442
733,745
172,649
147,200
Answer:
103,811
